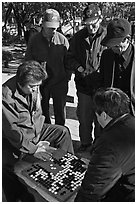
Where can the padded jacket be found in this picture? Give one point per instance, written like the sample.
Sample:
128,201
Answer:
53,53
20,126
111,172
112,76
80,50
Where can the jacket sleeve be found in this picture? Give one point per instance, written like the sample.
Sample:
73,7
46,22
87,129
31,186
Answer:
72,63
106,67
28,54
132,87
102,174
13,133
66,47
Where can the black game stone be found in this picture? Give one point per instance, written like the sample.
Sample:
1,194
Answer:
61,177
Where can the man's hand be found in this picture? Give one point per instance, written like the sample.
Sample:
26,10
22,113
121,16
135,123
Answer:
44,151
85,72
86,161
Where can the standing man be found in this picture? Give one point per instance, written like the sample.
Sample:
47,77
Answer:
49,47
23,127
110,176
84,58
117,65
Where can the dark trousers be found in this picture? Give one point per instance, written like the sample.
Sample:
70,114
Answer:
58,136
59,94
13,189
86,116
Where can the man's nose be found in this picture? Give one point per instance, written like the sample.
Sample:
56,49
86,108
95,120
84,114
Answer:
34,89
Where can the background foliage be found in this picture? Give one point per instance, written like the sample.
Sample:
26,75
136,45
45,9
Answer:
23,15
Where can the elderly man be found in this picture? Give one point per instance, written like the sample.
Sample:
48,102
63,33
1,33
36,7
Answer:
117,65
23,127
49,47
110,176
84,58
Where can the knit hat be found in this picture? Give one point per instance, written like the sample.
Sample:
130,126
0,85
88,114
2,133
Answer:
117,30
51,18
91,12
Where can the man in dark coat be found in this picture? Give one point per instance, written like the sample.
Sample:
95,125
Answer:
110,176
49,48
84,58
117,64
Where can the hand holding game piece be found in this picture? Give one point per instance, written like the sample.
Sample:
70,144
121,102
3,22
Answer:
44,151
43,144
86,161
46,145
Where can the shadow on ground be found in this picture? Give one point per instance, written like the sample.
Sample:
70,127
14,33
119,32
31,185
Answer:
70,112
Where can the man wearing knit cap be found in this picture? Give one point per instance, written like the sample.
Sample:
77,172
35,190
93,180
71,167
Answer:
117,65
84,58
49,47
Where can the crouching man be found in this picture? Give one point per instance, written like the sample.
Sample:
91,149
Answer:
110,176
23,127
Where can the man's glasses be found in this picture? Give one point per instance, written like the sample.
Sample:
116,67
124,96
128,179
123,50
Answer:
92,24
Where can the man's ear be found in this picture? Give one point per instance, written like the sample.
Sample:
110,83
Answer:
104,115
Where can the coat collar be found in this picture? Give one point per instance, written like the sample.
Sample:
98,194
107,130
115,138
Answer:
20,95
114,121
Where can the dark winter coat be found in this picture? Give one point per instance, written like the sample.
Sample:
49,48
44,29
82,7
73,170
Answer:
52,53
111,172
80,48
113,74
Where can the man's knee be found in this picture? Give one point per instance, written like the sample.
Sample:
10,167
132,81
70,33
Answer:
66,131
67,140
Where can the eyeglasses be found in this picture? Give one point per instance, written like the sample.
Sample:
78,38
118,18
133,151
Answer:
92,24
35,86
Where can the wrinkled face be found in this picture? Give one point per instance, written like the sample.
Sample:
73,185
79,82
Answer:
123,45
31,87
48,32
93,25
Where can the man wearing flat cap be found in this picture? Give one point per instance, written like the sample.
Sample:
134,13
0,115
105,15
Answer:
117,65
49,48
84,58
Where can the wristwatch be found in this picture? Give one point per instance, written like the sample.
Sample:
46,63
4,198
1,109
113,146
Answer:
80,69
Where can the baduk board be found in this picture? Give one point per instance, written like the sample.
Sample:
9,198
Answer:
60,177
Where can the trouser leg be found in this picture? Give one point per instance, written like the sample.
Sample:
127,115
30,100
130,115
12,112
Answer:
87,117
13,189
45,92
9,179
58,136
59,95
